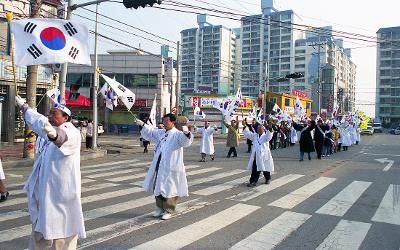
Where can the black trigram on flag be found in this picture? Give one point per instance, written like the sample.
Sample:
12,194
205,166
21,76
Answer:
30,27
121,88
73,52
70,29
34,51
130,98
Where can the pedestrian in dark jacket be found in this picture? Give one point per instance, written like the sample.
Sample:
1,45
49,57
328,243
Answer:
319,137
252,127
306,141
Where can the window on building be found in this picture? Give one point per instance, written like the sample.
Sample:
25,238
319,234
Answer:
141,80
273,99
287,102
83,79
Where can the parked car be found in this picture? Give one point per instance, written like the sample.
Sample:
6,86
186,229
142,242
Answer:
395,131
377,126
368,131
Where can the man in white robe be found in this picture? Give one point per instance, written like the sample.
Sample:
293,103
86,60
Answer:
207,141
166,177
260,158
54,186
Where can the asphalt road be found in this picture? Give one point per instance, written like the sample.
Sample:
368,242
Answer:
350,200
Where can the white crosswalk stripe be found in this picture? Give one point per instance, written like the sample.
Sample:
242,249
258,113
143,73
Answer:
274,232
342,202
346,235
200,229
298,196
106,181
389,208
263,189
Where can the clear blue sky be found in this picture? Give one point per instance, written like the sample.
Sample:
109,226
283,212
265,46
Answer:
356,16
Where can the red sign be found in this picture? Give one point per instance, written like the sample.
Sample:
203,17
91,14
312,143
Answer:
330,103
299,93
140,103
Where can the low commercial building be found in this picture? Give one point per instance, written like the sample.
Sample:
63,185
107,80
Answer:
214,116
145,75
286,101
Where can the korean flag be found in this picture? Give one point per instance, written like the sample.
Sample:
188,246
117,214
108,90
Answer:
50,41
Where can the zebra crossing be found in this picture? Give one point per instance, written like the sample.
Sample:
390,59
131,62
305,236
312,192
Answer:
111,195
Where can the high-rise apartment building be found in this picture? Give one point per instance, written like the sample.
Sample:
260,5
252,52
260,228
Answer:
388,75
269,37
335,80
208,58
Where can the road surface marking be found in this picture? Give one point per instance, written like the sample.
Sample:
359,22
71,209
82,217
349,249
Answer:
13,215
263,189
200,229
109,164
221,187
215,177
388,166
274,232
389,208
298,196
343,201
107,168
346,235
111,173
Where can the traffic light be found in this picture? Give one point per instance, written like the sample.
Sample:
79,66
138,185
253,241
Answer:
140,3
295,75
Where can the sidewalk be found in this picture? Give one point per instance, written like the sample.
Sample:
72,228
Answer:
12,155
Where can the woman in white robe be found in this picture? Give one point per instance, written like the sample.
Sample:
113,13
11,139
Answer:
54,186
260,158
345,134
3,190
207,141
166,177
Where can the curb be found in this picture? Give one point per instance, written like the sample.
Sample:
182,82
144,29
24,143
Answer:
29,162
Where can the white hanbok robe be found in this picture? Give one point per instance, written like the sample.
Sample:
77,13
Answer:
171,177
260,150
2,175
54,186
353,134
207,140
293,135
345,133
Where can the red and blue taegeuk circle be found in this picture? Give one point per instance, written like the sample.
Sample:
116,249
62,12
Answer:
53,38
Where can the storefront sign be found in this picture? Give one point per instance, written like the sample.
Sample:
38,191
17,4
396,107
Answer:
210,102
299,93
140,103
289,110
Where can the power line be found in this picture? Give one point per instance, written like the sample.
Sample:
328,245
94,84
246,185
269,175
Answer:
125,31
131,26
180,4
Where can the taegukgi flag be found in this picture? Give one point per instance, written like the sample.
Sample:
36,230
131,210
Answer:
50,41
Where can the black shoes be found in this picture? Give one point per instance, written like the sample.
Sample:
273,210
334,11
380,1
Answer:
4,196
267,181
251,184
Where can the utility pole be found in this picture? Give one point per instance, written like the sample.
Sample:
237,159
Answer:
266,82
31,86
96,82
64,69
178,77
319,78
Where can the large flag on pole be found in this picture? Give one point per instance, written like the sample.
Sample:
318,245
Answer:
54,95
153,112
108,95
50,41
298,107
124,94
198,112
